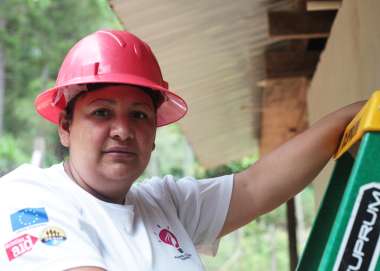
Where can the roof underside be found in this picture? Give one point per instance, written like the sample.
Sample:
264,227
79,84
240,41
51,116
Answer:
212,54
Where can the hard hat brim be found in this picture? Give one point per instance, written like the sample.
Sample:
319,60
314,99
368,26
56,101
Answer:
171,109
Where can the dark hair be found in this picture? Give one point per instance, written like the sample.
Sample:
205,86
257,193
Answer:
156,96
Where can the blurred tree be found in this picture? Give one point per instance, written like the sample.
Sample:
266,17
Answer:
10,154
172,154
2,78
36,36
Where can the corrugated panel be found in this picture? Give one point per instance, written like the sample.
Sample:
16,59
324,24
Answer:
211,53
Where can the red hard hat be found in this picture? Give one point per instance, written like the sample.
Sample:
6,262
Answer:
109,56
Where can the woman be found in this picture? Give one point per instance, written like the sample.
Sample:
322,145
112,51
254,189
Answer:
84,214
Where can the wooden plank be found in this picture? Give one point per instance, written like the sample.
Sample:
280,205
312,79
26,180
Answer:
323,1
284,116
288,25
315,5
284,111
291,63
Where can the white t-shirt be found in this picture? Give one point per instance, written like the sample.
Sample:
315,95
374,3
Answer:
48,222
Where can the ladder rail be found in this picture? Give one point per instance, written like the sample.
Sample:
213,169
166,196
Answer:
346,232
322,225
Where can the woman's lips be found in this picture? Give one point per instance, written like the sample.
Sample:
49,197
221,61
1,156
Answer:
120,152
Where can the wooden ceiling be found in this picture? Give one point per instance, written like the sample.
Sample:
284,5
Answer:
212,53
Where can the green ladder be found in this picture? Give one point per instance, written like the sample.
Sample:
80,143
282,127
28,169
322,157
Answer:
346,231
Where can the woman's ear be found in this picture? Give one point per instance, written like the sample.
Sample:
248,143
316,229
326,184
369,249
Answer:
64,129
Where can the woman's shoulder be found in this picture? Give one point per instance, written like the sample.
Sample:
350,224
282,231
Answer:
28,178
25,171
169,182
29,186
167,187
20,170
28,171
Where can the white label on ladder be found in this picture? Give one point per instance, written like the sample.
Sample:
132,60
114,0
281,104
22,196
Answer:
360,246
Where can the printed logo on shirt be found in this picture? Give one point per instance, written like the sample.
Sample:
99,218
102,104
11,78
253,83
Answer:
168,238
28,217
53,236
20,246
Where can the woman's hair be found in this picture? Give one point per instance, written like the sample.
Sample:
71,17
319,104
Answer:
156,96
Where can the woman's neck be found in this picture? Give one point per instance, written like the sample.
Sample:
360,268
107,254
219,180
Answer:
75,177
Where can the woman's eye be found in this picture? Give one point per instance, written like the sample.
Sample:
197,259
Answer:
140,115
102,112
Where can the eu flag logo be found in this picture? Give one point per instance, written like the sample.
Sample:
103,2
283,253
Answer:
28,217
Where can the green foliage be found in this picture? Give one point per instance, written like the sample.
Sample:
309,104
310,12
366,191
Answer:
262,244
172,154
233,167
10,154
37,35
308,204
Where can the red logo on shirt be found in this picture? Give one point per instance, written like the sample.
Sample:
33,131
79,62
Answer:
20,246
169,238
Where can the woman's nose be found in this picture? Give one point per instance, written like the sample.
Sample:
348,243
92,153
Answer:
121,130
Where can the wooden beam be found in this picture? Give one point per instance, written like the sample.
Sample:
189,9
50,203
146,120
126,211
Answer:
291,63
319,5
288,25
284,115
284,111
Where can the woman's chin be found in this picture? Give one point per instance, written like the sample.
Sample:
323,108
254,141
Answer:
122,168
120,172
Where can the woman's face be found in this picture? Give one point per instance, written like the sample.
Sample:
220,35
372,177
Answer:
110,138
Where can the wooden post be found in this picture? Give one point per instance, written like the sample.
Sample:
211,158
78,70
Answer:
292,233
289,66
284,116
